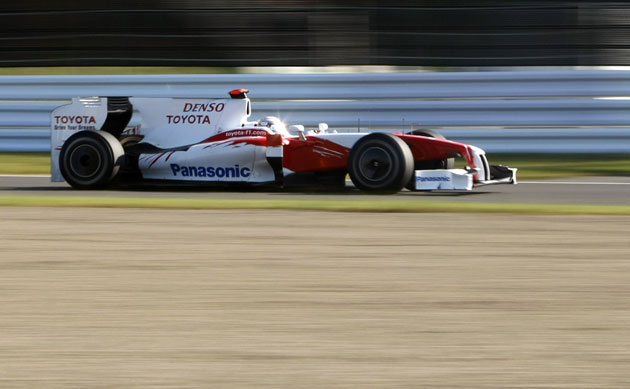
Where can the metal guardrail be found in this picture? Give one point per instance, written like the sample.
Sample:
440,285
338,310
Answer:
541,101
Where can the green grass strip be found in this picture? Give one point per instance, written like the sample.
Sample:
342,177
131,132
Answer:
546,166
318,205
24,163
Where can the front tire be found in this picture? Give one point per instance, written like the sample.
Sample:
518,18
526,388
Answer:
380,162
90,159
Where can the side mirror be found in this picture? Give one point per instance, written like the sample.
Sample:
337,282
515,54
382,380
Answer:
299,129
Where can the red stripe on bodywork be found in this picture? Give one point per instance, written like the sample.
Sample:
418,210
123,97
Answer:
157,158
256,141
314,154
274,140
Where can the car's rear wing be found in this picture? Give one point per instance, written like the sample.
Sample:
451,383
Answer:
161,122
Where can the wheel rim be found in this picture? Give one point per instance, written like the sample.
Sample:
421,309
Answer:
375,164
85,161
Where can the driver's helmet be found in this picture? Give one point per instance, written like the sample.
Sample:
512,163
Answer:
273,123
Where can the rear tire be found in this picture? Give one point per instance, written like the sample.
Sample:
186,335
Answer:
90,159
380,162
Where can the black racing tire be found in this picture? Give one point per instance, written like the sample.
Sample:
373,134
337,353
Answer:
448,163
380,162
90,159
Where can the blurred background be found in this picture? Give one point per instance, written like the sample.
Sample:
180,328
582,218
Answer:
237,33
509,76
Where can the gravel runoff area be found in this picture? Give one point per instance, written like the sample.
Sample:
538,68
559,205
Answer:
260,298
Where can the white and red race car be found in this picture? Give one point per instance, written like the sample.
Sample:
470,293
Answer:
205,141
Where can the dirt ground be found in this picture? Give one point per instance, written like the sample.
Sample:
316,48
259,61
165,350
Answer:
159,298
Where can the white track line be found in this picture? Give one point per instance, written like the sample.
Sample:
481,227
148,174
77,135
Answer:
572,183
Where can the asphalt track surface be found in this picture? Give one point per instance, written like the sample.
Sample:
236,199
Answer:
577,191
137,298
160,298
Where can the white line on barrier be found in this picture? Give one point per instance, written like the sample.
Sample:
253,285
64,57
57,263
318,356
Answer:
572,183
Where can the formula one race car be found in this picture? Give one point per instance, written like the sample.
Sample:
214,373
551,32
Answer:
206,141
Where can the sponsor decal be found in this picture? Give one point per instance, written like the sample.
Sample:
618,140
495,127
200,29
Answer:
75,120
246,132
240,133
210,171
212,107
79,122
198,118
188,119
433,179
